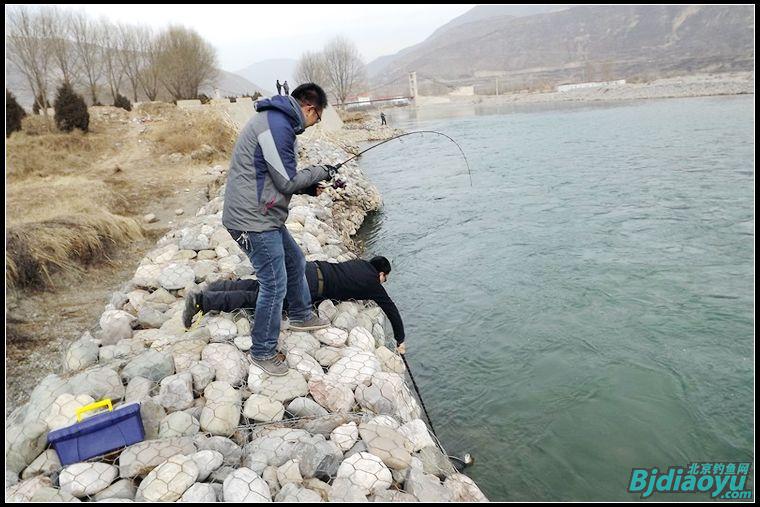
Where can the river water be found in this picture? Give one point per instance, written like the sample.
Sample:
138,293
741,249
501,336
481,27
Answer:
587,306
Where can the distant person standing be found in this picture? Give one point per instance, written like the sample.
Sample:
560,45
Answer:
286,87
279,88
382,118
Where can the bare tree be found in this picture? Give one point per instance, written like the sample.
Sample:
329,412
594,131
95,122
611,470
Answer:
149,68
345,69
61,45
28,35
187,62
311,68
86,45
129,55
108,38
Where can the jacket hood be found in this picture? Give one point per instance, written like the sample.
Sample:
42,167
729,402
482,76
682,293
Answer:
286,105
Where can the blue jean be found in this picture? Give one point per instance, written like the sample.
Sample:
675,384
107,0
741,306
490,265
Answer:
281,270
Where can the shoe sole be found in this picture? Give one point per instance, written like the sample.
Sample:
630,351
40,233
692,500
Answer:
307,328
269,372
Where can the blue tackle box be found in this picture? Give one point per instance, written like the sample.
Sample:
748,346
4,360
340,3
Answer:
98,434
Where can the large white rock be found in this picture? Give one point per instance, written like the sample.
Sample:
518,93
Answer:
46,463
328,356
299,340
387,444
87,479
199,493
178,424
390,362
176,392
463,489
303,363
203,374
263,409
141,458
417,433
244,485
332,336
284,388
227,361
388,394
176,276
365,471
289,472
169,480
426,487
349,307
361,338
124,489
344,320
151,364
306,407
275,446
333,395
221,414
293,493
327,309
24,491
116,325
207,461
345,435
256,377
63,411
81,353
221,329
355,369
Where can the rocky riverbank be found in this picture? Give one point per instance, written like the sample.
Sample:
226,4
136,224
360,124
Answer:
341,426
701,85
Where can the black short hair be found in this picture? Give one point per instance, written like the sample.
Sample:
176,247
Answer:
381,264
312,94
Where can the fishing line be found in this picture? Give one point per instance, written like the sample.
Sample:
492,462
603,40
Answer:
469,173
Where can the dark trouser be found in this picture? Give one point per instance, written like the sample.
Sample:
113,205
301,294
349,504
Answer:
230,295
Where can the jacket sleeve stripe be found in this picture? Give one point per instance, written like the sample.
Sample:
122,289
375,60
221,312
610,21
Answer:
266,141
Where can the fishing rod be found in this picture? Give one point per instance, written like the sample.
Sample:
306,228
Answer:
469,173
460,463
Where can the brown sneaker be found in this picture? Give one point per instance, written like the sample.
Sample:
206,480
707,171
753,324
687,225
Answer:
274,366
313,324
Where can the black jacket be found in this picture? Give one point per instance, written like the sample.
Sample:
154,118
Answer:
356,279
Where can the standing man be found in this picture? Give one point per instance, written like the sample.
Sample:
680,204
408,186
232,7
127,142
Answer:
261,180
286,87
382,119
279,88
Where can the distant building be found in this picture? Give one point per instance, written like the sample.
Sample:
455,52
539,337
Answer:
599,84
463,91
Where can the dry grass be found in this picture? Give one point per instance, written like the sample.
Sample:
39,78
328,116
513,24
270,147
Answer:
72,198
192,131
37,250
47,154
61,223
352,116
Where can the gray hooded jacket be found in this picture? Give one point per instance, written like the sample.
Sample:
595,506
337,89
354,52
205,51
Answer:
263,174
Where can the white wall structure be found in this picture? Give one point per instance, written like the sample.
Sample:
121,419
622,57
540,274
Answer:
599,84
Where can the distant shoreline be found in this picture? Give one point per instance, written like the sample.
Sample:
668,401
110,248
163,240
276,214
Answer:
700,85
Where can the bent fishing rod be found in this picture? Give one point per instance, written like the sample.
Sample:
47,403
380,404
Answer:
469,173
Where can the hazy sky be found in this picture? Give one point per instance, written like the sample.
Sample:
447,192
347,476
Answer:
244,34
